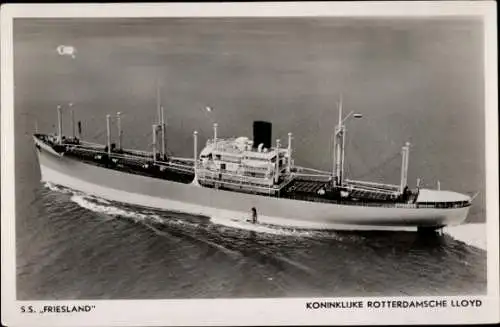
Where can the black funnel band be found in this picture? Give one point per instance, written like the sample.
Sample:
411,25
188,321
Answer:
262,134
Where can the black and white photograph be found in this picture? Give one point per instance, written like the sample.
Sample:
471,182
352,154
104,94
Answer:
328,158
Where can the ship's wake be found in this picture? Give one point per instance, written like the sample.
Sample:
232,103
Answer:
242,223
99,205
232,239
57,188
188,230
222,221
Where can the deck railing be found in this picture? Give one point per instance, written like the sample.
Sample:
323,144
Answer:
436,205
133,158
315,177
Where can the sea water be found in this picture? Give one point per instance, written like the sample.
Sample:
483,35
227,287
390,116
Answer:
86,247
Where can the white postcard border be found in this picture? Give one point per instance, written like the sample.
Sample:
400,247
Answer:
281,311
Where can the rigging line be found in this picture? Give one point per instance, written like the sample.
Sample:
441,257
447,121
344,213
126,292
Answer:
348,154
352,144
356,153
347,169
385,162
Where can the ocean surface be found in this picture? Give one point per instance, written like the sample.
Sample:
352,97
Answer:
417,81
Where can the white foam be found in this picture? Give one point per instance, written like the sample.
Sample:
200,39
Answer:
472,234
88,203
65,190
99,205
102,201
105,207
56,188
241,223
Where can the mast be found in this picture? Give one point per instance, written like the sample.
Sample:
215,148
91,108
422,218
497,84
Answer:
79,129
339,145
59,124
277,172
407,163
339,148
119,126
108,134
154,142
163,141
160,112
334,157
195,149
215,136
405,154
72,112
403,160
289,163
158,101
342,149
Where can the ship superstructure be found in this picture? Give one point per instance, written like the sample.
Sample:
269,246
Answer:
233,176
245,165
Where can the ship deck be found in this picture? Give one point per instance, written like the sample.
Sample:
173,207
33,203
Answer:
129,161
321,191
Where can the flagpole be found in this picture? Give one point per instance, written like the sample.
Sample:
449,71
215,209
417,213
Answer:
158,101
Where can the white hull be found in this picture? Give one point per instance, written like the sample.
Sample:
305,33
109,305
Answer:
190,198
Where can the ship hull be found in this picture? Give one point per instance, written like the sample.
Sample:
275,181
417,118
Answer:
193,199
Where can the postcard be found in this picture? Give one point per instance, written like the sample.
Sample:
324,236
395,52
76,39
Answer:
256,163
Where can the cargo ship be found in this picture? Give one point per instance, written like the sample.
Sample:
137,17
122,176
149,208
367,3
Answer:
246,179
